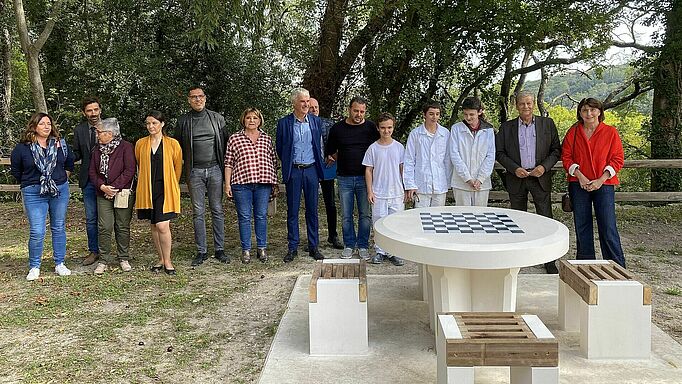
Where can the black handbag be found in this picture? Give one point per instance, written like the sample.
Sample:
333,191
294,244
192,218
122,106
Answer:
566,205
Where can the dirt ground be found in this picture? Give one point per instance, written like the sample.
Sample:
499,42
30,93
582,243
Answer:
214,323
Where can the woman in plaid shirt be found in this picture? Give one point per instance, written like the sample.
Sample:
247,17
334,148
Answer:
250,179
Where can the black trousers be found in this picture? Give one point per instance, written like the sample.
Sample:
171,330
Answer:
541,198
329,198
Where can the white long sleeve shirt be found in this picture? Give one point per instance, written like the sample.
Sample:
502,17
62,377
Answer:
427,167
472,156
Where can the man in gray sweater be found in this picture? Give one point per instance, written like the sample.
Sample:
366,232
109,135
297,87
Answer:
203,138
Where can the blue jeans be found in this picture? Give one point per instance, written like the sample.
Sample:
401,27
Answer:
603,200
250,198
209,182
90,202
36,208
354,187
302,180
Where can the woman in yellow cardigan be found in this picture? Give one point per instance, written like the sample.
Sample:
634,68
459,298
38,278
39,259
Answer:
159,159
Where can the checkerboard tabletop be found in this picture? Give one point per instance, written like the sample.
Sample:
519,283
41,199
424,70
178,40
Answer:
483,223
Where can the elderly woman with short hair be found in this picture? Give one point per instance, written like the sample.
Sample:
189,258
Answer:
112,169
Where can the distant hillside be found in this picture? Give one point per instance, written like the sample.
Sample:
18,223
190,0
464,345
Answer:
579,86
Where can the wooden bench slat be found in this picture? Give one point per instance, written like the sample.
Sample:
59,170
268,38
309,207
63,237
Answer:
327,271
613,273
498,335
587,272
622,271
312,289
600,272
363,281
486,327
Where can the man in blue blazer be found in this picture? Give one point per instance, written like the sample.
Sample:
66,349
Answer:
298,146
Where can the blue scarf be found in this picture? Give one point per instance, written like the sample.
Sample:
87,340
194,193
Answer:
46,161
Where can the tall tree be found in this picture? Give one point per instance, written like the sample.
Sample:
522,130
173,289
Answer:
6,66
666,125
32,49
330,65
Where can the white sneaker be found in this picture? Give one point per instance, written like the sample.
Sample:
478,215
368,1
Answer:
33,274
363,253
61,270
347,253
125,266
100,268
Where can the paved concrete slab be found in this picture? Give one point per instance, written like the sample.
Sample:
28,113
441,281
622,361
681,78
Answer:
402,345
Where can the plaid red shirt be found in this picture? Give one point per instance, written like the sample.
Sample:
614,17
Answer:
251,162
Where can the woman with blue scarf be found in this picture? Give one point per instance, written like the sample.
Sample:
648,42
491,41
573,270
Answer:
42,163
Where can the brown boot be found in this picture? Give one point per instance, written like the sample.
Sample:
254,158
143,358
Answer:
262,256
92,257
246,257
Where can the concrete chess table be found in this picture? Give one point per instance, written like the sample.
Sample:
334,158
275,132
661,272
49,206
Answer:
473,254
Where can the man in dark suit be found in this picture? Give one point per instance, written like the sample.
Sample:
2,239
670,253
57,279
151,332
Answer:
298,147
84,140
528,147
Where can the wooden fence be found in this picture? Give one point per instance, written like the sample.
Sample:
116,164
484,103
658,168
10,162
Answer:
502,195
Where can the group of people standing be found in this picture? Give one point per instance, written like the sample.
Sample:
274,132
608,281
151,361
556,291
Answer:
371,167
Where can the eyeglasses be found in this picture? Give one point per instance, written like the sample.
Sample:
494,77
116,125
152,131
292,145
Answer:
196,97
97,131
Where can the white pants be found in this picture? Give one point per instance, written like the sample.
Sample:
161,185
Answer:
430,200
383,208
471,198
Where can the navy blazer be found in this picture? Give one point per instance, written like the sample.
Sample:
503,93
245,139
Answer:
284,144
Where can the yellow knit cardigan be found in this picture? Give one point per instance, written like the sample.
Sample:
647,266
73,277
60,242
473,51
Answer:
172,169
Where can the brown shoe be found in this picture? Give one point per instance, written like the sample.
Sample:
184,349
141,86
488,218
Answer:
92,257
246,257
262,256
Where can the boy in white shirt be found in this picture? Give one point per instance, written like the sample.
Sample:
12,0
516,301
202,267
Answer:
427,165
472,152
383,163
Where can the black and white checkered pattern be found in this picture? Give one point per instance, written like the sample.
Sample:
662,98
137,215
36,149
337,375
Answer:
487,222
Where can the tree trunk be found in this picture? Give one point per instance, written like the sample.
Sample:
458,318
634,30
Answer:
666,124
544,78
6,59
505,88
320,76
522,78
32,49
329,68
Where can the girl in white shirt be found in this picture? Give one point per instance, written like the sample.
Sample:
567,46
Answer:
472,152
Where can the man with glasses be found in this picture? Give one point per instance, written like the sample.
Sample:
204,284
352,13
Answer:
84,140
203,139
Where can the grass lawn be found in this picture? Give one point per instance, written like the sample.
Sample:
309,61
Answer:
214,323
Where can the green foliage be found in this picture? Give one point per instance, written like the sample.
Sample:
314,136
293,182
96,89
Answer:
138,56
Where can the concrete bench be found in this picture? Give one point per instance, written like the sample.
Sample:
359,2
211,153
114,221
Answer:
473,339
608,306
337,309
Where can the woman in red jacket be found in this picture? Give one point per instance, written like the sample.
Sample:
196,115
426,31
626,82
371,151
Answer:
592,154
